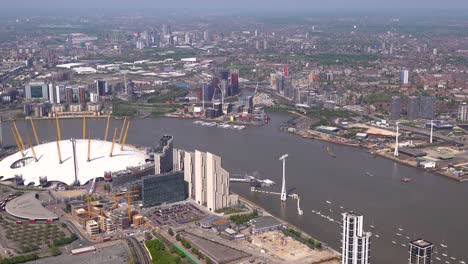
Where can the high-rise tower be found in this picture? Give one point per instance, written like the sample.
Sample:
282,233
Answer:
420,252
355,242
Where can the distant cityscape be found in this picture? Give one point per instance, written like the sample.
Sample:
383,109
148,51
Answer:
393,87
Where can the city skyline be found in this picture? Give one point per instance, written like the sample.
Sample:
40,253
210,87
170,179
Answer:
119,118
338,5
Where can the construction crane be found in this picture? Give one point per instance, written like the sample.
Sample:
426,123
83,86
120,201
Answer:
58,150
84,126
31,146
122,130
115,195
89,146
107,127
113,142
125,136
20,148
34,130
59,131
20,139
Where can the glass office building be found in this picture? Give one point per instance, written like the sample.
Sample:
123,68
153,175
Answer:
164,188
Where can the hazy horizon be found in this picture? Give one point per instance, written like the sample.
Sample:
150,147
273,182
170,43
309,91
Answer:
379,5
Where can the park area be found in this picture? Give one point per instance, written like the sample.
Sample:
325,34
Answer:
28,238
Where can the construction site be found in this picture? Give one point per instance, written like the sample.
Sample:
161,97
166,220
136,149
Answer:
79,180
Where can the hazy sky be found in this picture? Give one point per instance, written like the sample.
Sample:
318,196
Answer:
238,4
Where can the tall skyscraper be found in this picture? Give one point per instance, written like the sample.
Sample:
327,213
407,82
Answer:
404,78
206,36
207,182
163,155
427,107
166,30
82,96
187,40
234,82
462,113
420,252
280,82
51,93
395,109
101,87
59,93
355,242
413,108
69,95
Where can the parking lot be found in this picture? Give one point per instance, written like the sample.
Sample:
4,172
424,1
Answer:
177,214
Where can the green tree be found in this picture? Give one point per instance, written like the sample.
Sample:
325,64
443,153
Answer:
55,251
170,232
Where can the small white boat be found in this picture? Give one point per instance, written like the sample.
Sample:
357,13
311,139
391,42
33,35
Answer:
398,234
452,258
372,226
438,258
328,202
462,262
313,211
443,245
393,242
403,245
341,207
443,254
377,236
400,229
407,237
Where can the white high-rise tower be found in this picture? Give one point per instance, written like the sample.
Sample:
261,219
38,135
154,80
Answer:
355,242
432,128
396,141
283,187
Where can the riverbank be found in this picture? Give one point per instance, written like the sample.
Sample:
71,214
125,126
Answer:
371,149
325,246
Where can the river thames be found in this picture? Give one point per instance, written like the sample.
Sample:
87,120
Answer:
430,207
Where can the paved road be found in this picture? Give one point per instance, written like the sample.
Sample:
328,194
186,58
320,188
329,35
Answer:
140,252
74,229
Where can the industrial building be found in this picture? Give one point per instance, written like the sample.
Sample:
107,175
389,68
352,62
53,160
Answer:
265,224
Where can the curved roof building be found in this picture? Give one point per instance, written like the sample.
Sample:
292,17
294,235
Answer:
27,206
48,168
